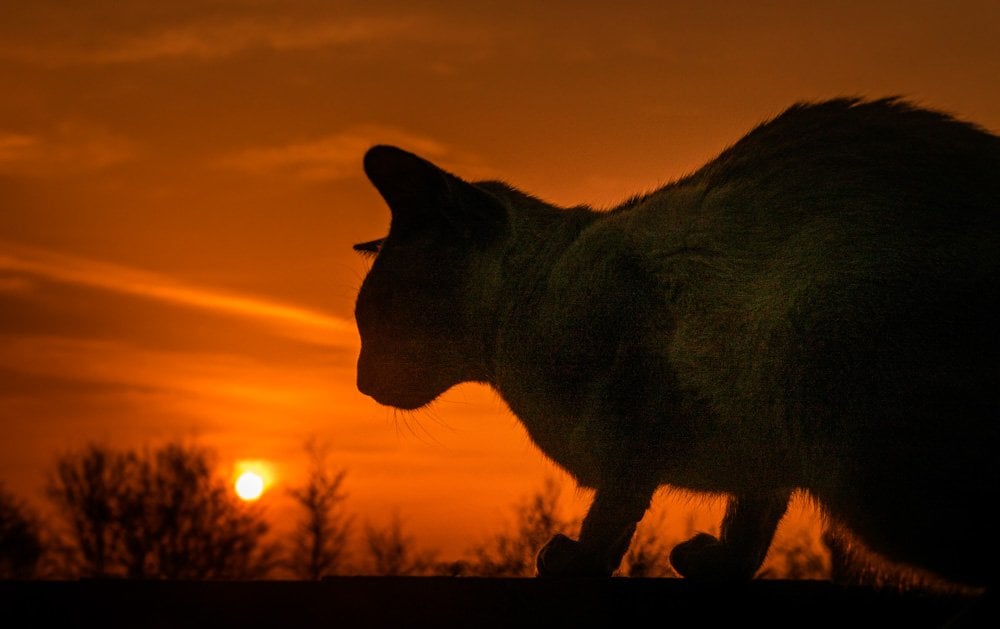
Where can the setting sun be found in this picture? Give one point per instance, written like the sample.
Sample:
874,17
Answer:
249,486
252,478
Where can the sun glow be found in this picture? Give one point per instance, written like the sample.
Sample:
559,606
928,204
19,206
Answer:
249,486
252,478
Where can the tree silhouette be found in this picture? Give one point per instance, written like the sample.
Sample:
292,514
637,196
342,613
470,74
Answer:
88,490
155,515
513,553
392,552
796,555
649,553
21,545
319,543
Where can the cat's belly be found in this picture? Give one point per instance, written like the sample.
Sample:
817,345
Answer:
591,449
650,446
575,448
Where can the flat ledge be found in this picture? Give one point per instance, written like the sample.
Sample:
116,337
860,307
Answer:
465,602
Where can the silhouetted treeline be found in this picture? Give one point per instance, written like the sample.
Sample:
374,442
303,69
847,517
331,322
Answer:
20,539
166,514
319,545
160,514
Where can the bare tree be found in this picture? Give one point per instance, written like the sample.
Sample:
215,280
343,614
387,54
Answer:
319,544
197,530
513,553
156,515
21,546
797,555
649,553
393,553
88,489
794,555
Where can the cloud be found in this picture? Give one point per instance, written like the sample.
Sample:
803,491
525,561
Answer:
68,147
58,390
338,155
17,285
192,374
207,38
331,157
14,145
220,39
289,320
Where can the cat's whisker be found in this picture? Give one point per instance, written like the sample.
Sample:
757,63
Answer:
423,434
431,413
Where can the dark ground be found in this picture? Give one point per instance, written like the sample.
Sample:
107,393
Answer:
463,602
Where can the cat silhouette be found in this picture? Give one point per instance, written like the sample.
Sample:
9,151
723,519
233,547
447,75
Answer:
812,311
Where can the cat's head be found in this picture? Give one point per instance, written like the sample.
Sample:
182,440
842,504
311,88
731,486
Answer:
420,307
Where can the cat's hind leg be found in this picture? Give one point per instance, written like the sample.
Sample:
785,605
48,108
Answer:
746,533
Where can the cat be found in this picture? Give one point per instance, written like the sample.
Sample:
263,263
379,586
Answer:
812,311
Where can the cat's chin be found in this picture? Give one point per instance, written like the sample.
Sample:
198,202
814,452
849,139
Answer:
406,394
402,401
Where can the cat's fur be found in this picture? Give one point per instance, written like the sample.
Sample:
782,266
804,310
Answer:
813,310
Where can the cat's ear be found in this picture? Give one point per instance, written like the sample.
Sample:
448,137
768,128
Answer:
419,194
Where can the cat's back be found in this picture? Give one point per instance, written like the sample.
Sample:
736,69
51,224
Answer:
842,246
813,225
827,156
839,187
831,155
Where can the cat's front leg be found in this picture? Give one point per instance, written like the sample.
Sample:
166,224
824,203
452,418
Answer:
747,530
604,537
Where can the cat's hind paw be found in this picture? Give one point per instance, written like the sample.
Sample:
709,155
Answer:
565,557
705,559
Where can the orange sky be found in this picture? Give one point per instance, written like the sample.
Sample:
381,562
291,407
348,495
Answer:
180,184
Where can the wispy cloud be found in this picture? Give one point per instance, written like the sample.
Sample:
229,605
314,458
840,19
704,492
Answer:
193,374
219,39
338,155
14,145
68,147
287,319
14,285
209,38
330,157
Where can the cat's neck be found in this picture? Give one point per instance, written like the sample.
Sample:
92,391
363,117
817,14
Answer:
538,236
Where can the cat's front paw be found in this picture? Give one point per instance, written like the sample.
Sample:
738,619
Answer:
705,559
564,557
